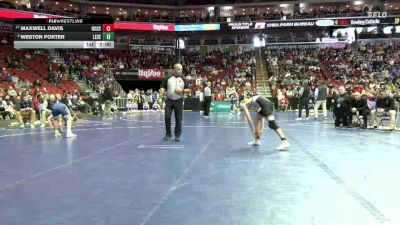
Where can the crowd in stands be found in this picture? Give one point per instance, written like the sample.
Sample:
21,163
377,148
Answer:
372,71
223,70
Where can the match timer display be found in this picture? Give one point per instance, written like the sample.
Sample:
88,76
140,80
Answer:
96,33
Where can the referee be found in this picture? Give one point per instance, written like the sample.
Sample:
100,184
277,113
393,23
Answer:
175,87
207,99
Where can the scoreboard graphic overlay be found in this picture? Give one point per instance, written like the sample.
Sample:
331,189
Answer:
90,33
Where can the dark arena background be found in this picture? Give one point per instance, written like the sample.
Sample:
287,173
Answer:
281,112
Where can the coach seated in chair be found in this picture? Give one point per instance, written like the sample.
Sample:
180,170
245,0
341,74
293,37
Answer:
25,110
359,107
385,106
341,107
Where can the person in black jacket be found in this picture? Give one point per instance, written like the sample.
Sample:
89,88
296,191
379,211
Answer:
108,100
304,98
341,107
385,106
360,107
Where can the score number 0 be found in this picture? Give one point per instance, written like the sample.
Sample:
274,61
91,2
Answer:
108,27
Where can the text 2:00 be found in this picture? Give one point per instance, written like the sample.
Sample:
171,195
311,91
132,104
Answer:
105,44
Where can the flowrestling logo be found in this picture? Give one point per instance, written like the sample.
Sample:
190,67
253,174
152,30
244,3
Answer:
151,74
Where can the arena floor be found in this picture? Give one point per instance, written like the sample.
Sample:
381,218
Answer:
120,172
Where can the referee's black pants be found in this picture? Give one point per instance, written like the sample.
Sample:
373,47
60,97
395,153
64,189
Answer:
207,105
177,107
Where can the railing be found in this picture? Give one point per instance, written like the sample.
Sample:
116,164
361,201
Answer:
121,102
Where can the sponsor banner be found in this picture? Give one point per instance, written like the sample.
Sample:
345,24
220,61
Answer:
6,25
13,14
240,25
363,22
153,48
150,74
126,72
143,26
263,25
307,45
197,27
220,106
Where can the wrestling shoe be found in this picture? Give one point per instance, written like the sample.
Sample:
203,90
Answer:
255,143
284,146
57,134
70,135
167,137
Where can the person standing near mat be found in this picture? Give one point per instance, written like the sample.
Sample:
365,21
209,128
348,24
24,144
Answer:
108,100
304,98
175,87
207,100
264,109
321,92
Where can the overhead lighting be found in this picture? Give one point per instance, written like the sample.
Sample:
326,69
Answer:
347,6
321,7
244,13
56,3
138,10
120,9
283,5
107,8
358,2
302,5
94,11
268,8
243,9
146,12
385,3
397,8
235,11
107,12
70,5
119,13
65,9
227,7
210,8
310,9
155,11
391,6
192,11
93,7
